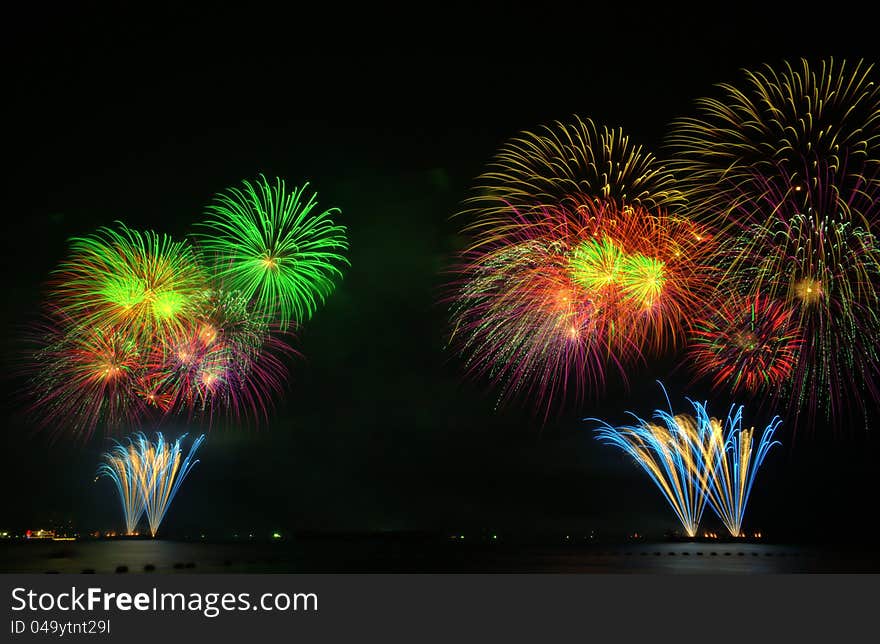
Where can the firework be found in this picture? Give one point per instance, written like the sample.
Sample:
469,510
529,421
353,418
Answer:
83,376
735,466
790,165
274,247
825,265
566,165
138,330
651,267
522,321
577,263
148,475
162,472
548,307
138,283
673,452
695,459
225,360
750,344
122,464
801,128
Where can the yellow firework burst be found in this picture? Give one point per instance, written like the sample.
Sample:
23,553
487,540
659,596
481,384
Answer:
566,164
800,128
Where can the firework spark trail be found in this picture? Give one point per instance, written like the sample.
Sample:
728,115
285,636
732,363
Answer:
274,247
162,474
695,460
148,475
665,453
122,464
735,467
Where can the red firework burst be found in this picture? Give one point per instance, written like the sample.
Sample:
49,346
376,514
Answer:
750,344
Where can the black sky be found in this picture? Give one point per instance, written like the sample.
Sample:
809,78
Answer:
143,116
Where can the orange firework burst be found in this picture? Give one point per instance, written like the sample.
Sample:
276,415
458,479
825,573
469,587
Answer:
556,300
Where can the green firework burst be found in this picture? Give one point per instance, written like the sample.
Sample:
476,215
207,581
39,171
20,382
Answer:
136,281
275,247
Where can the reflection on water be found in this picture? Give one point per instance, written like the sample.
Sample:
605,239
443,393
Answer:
395,555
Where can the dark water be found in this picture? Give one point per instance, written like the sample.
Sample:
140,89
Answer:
389,555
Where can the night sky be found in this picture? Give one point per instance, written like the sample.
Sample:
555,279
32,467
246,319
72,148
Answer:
143,118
